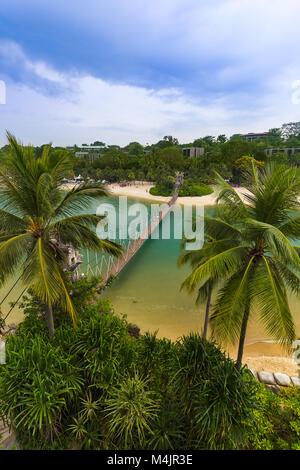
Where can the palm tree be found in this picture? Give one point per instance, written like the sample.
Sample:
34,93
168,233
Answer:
254,256
195,258
37,220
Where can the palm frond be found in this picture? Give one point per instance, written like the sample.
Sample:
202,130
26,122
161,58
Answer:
268,292
11,223
290,279
79,232
277,194
218,267
79,198
291,228
219,228
12,198
43,274
275,241
40,273
44,188
230,198
13,249
65,299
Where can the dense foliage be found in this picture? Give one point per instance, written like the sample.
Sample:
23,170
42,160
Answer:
161,159
97,387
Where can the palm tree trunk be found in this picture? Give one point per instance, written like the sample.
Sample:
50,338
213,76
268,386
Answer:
207,313
49,318
242,337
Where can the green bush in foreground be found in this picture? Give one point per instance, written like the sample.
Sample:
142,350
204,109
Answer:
97,387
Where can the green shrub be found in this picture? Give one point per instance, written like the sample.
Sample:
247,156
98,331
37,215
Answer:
214,396
188,189
129,409
168,428
277,420
36,386
103,349
194,189
160,191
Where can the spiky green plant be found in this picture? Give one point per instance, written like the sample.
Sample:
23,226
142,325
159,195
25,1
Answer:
37,218
254,255
90,406
78,428
168,428
129,411
31,399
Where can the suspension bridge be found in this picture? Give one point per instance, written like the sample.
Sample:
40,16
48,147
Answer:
110,266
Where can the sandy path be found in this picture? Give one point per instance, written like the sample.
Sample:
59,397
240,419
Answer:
272,364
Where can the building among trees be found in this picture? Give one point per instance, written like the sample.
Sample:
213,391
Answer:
193,151
254,136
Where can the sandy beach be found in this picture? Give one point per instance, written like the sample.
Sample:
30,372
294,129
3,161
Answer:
272,364
142,191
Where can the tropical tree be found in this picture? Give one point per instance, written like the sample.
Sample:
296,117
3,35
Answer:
195,258
38,220
254,256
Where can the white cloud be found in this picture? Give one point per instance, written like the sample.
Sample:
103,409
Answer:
87,108
44,71
98,109
13,55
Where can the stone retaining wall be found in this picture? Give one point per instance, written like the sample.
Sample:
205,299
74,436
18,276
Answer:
276,379
7,437
11,329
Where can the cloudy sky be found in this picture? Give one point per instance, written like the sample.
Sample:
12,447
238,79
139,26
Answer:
118,71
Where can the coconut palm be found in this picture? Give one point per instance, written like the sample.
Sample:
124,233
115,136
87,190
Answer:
37,220
254,255
195,258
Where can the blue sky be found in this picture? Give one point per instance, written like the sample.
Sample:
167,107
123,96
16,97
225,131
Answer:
78,71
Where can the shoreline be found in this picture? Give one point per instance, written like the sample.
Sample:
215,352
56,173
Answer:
141,191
